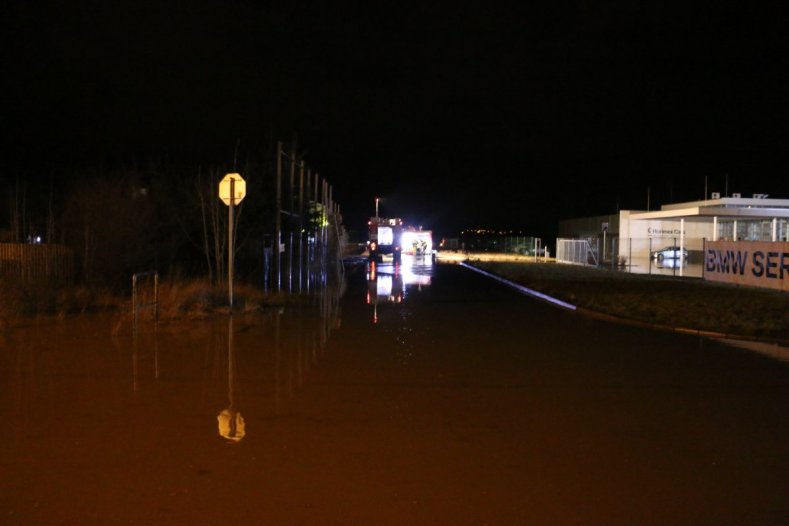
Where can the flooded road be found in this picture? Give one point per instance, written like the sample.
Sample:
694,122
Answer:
425,395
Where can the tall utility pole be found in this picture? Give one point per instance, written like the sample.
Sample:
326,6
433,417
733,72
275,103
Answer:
301,188
301,218
278,218
317,180
291,208
291,186
324,230
318,246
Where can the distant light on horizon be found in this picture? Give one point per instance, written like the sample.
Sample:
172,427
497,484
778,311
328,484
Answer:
485,231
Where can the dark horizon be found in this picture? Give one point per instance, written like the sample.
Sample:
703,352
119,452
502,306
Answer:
464,119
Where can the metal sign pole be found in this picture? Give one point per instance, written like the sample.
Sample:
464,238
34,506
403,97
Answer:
231,189
230,240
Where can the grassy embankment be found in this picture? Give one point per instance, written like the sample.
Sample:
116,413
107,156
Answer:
177,300
674,302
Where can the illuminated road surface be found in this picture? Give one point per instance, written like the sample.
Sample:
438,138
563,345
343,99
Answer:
416,399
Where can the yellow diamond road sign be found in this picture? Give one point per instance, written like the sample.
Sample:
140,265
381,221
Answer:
239,188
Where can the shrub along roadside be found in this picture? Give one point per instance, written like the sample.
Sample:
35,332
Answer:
676,302
177,300
198,299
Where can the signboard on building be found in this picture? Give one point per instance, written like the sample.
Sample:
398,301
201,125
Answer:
753,263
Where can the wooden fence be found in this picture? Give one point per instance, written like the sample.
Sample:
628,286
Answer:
36,263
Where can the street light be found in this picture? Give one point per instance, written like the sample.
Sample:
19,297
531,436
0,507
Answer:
376,206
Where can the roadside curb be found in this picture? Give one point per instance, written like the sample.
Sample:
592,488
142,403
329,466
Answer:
589,313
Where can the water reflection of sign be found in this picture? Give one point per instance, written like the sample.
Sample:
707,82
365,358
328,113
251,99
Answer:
231,425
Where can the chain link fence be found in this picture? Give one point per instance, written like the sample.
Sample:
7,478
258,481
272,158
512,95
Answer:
663,256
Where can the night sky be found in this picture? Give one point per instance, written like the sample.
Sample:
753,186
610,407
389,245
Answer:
455,115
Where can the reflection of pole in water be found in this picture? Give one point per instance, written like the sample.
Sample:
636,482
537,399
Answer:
230,363
290,262
136,358
314,345
135,371
24,384
309,262
156,346
141,302
300,335
277,360
299,349
230,422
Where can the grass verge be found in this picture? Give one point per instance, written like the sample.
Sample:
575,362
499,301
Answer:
179,299
198,299
676,302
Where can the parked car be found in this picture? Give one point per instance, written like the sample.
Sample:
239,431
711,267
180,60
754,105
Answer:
670,253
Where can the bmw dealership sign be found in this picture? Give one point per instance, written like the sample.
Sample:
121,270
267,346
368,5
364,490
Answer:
752,263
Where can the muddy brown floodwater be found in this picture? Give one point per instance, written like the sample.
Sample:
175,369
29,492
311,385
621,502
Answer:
428,395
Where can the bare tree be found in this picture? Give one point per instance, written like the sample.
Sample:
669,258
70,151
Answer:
206,251
110,220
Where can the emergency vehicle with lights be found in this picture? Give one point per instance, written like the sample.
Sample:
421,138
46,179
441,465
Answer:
384,237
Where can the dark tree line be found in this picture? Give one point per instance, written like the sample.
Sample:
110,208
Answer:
134,217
